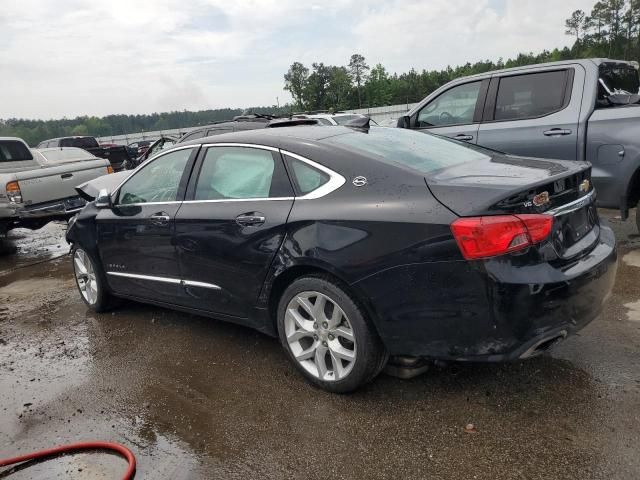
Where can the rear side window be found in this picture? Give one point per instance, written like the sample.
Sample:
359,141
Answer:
531,95
306,178
14,151
231,173
419,151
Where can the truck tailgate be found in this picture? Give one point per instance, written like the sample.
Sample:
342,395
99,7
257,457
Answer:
55,183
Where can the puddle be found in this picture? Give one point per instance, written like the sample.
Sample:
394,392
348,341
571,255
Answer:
632,258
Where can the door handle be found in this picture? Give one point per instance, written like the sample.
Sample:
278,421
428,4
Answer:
160,218
557,132
66,175
252,219
464,137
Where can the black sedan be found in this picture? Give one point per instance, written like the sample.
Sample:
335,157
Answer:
353,245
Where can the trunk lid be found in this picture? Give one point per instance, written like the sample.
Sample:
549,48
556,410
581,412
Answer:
504,184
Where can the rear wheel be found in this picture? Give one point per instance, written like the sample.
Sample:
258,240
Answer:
90,281
326,335
638,217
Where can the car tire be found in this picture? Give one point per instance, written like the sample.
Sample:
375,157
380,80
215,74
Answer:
91,281
327,335
638,217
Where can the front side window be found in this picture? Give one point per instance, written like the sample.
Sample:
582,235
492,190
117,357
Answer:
529,96
231,173
157,181
454,107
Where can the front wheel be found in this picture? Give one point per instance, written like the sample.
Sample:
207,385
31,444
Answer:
326,335
90,281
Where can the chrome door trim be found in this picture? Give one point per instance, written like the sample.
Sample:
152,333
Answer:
193,283
173,281
335,179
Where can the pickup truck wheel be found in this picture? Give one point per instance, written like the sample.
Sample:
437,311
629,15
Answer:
327,336
90,281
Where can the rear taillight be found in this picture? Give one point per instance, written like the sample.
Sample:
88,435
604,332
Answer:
13,192
482,237
109,169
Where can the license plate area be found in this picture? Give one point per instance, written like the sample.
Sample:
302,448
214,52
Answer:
574,232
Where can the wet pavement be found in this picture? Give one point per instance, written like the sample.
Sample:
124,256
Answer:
196,398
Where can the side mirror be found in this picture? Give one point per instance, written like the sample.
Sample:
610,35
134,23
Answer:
404,121
104,199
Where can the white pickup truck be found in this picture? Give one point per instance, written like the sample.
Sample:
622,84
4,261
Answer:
37,186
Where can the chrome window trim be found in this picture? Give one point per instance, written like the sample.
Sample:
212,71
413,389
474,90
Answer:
142,204
221,200
572,206
245,145
173,281
139,167
335,179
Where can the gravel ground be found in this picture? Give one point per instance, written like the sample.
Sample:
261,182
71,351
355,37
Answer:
196,398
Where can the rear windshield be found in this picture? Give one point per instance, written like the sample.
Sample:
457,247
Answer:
423,152
14,151
82,142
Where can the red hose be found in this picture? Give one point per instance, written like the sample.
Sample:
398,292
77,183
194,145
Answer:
76,447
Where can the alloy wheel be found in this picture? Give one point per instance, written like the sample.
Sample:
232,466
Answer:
320,336
85,276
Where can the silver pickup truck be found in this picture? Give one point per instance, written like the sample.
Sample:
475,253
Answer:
572,110
37,186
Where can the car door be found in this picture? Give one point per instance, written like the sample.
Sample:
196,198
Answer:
454,113
231,226
534,114
135,236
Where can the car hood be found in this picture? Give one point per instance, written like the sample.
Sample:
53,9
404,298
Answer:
90,190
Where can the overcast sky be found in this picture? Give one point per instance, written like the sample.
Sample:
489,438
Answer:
97,57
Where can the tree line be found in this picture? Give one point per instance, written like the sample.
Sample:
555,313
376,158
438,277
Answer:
611,29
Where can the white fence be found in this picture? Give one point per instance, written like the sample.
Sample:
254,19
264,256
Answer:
382,115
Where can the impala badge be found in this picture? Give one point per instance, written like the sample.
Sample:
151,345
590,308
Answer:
541,199
584,186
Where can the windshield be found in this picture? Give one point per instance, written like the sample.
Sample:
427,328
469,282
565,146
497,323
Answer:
420,151
14,151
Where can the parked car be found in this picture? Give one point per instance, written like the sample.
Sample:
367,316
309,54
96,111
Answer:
136,149
38,185
116,154
353,244
245,122
571,110
328,119
160,144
